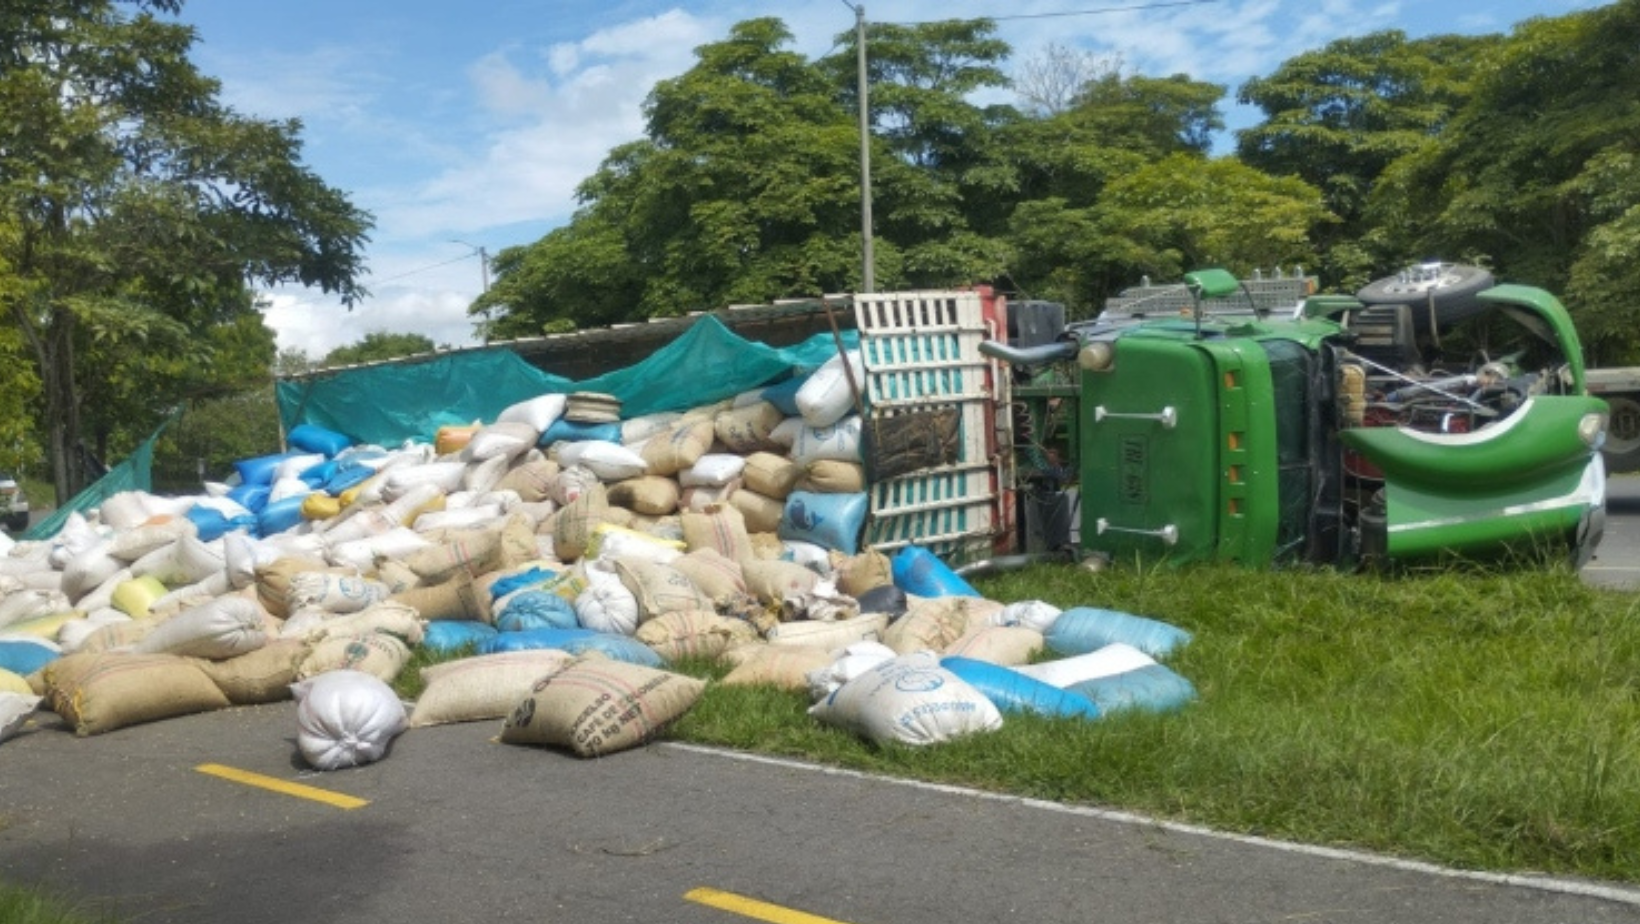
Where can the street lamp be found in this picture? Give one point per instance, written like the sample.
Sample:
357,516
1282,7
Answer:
868,262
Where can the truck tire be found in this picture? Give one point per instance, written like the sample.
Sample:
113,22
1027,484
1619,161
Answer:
1447,289
1622,449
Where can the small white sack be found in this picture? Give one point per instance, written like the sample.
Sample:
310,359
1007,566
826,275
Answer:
185,561
346,718
503,439
910,699
826,396
294,466
402,479
609,461
220,629
639,429
15,709
713,470
785,433
457,518
539,412
840,442
855,660
334,593
27,604
606,605
1029,614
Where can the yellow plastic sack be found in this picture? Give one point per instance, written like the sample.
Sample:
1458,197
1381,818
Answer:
320,506
134,597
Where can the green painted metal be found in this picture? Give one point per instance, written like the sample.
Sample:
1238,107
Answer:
1249,508
1425,522
1552,322
1536,441
1141,478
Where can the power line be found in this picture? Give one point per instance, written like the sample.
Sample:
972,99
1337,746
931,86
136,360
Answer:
1108,9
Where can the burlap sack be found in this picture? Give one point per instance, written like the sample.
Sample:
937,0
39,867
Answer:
694,633
99,693
856,574
829,476
1009,646
377,653
652,495
597,706
932,623
261,676
832,636
474,551
746,430
572,529
659,588
482,687
760,512
784,666
721,529
773,581
532,480
714,573
457,598
770,475
678,448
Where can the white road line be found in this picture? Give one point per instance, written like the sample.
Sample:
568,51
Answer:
1542,883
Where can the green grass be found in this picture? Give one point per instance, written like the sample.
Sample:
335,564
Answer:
1485,720
28,905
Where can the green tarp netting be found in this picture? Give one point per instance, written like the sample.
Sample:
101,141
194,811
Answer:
390,403
136,473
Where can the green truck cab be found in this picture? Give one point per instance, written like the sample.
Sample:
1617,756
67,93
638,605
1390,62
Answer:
1442,416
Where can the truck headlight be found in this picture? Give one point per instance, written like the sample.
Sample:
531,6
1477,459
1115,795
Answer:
1592,430
1096,356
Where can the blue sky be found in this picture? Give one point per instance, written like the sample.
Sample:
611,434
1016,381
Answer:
468,125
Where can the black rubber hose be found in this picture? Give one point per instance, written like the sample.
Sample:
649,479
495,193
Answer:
1030,356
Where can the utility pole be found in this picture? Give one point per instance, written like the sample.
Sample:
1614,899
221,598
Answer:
483,262
868,274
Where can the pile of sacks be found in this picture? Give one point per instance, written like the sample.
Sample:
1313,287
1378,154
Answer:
568,563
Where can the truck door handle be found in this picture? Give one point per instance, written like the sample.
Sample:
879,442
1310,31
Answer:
1168,417
1169,534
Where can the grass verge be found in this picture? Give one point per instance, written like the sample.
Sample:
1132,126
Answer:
1481,720
30,905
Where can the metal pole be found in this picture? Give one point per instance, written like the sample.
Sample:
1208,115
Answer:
868,282
484,267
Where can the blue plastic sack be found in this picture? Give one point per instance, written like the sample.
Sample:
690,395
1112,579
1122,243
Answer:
920,573
519,581
450,635
536,609
783,395
252,497
1082,629
1011,691
23,657
347,475
574,641
259,470
315,476
1153,688
312,438
280,515
212,523
574,431
831,521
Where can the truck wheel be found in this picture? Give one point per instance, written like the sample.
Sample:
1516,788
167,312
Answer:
1449,288
1622,449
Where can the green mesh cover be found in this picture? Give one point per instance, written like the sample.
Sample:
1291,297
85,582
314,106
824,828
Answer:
390,403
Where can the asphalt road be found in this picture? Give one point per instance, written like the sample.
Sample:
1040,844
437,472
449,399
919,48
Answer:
1617,562
458,827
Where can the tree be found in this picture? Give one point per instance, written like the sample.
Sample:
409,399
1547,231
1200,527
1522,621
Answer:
1535,174
1047,82
377,346
141,205
1339,116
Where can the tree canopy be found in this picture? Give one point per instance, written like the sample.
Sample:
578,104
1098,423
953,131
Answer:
136,209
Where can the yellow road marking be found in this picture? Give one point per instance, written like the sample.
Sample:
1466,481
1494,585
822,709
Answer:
752,908
283,786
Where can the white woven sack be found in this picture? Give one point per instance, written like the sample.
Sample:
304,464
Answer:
503,439
609,461
346,718
1029,614
834,636
539,412
185,561
189,595
220,629
361,554
459,518
402,479
841,442
826,397
293,466
75,631
853,661
103,595
639,429
132,544
15,709
123,510
606,605
27,604
785,433
403,507
334,593
910,699
1113,659
713,470
88,570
